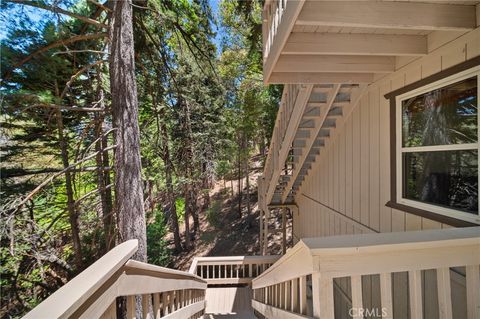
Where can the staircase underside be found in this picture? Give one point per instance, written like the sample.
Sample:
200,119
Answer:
228,302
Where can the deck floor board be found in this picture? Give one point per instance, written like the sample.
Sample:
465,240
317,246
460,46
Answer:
229,302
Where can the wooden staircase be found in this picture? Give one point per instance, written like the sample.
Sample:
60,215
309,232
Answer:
308,116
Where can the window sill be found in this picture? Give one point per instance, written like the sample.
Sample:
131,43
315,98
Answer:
430,215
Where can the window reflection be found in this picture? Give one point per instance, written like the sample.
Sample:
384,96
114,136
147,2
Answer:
444,116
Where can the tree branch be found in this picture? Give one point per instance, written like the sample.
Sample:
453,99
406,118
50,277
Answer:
76,75
55,9
55,44
18,172
51,178
67,108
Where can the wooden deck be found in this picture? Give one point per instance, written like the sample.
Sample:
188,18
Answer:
229,302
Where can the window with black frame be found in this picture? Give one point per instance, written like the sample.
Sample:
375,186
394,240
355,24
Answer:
437,146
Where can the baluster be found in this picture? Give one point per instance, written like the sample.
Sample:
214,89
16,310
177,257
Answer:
267,295
294,295
156,306
288,295
279,295
270,295
386,294
282,295
357,298
145,303
131,307
473,291
179,299
164,303
303,295
444,293
415,290
173,307
275,295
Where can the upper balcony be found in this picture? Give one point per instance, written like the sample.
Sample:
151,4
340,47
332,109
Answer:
316,41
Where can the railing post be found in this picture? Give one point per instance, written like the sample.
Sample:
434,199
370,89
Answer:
322,296
265,231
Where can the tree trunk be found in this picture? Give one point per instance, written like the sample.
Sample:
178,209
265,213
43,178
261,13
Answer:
191,192
247,184
187,216
128,178
239,166
195,213
103,177
173,212
72,214
169,183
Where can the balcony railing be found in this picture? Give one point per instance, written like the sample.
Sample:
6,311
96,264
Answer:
272,16
301,284
231,269
93,293
278,20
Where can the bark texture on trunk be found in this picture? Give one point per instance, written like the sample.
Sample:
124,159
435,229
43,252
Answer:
128,178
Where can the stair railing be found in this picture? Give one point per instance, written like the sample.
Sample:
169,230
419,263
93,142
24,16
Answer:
164,293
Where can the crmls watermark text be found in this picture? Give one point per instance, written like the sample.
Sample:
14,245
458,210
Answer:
368,312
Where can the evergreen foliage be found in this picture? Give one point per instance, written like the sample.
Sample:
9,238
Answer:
203,111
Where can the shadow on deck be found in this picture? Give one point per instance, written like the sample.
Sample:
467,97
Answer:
228,302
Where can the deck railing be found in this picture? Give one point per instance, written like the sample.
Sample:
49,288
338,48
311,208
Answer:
301,284
92,294
231,269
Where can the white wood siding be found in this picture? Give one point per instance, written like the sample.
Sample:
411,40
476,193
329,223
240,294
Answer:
349,184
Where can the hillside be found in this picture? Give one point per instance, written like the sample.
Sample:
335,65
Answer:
223,232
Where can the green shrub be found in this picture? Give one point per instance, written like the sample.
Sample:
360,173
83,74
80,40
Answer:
157,247
213,213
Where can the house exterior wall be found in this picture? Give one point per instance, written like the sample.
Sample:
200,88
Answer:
349,184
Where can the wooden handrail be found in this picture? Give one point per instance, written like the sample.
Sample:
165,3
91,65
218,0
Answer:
93,293
66,300
282,289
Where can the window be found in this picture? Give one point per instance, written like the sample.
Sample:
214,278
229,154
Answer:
437,146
